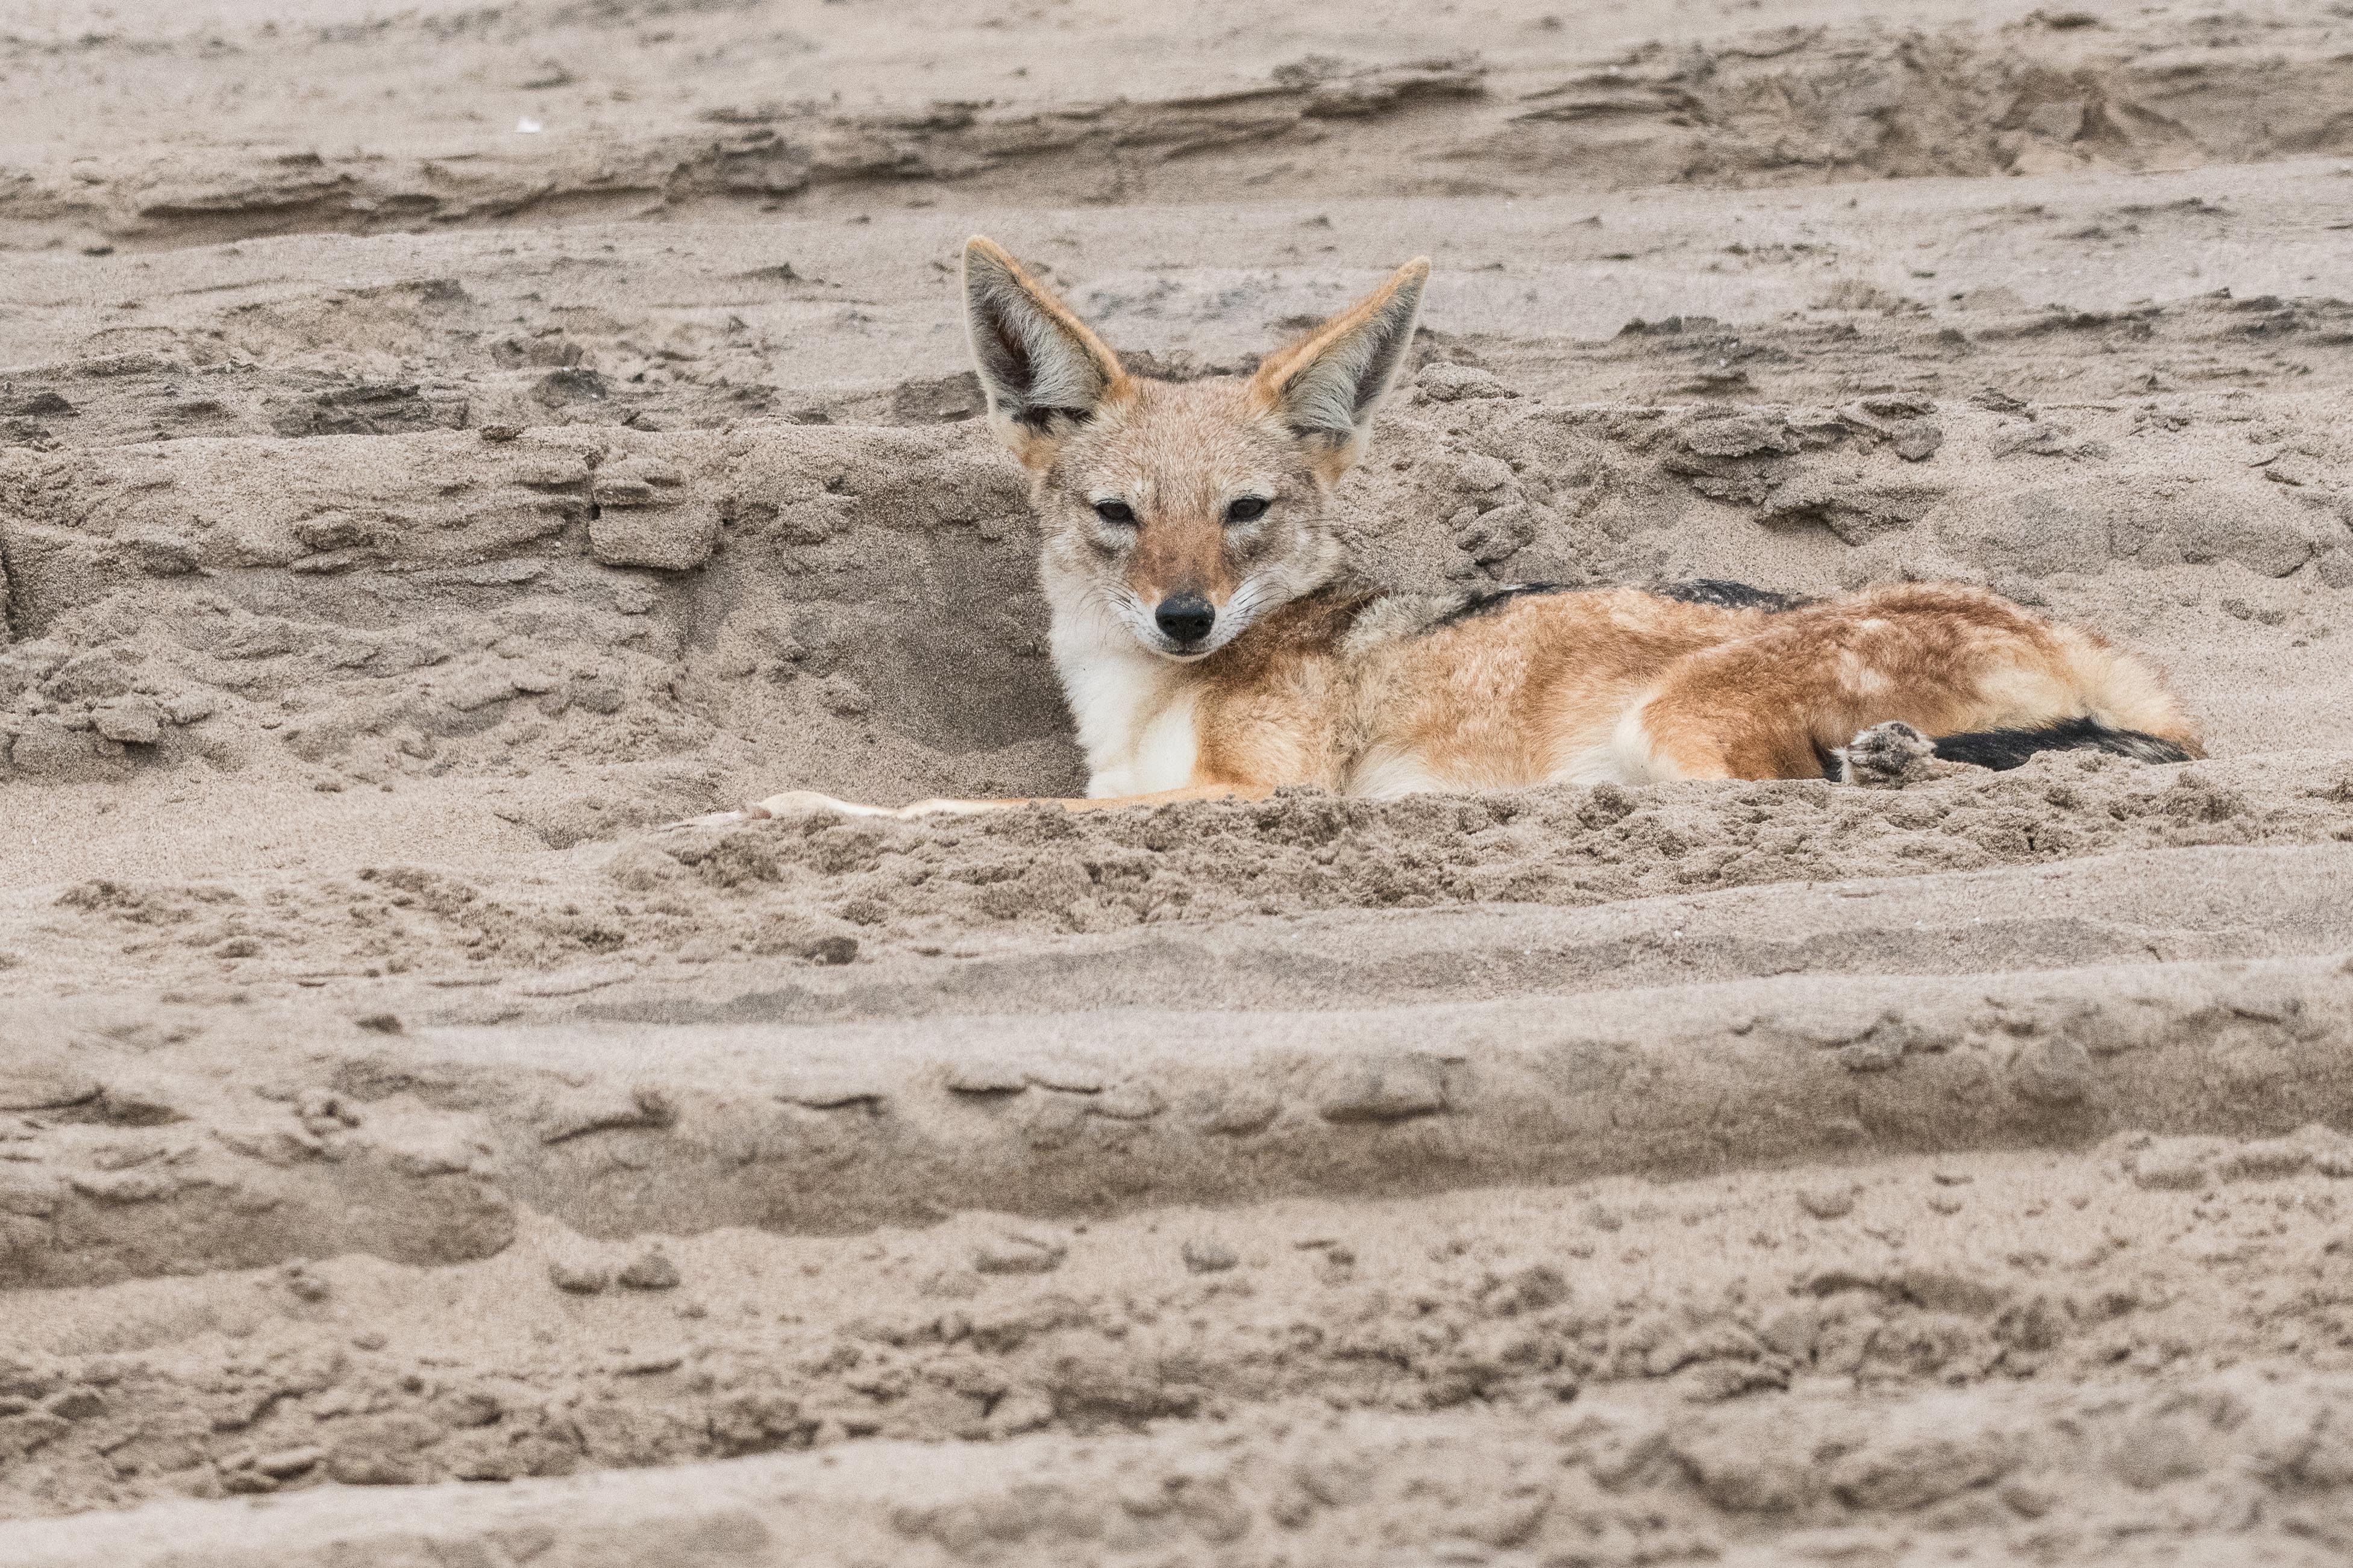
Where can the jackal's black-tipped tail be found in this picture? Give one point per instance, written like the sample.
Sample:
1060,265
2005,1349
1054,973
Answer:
2011,748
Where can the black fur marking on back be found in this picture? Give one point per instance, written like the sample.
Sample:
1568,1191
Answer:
1701,591
2003,749
1726,596
1037,416
1488,600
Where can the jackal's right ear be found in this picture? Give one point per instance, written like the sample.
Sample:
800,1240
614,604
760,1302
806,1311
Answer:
1041,367
1325,386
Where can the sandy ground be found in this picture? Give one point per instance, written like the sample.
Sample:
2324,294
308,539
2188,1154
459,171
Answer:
440,444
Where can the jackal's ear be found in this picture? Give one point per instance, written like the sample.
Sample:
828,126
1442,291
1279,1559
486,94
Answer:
1041,367
1326,385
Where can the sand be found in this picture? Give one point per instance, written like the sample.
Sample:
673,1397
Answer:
441,445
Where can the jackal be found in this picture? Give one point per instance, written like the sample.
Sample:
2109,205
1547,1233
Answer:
1212,641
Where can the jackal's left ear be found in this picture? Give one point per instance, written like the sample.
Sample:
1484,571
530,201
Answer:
1327,386
1041,367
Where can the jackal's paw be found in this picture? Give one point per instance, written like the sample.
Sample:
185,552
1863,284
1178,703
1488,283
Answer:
808,803
792,803
1886,756
936,807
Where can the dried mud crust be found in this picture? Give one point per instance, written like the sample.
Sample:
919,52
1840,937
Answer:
281,1131
441,331
2126,1476
1939,1329
823,890
663,614
1796,104
1306,852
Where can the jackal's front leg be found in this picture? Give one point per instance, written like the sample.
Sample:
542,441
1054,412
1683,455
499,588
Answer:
1090,803
792,803
805,803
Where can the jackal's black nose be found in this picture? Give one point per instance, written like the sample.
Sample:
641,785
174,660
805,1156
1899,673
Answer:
1186,617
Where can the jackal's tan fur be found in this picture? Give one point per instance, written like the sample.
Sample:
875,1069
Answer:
1281,670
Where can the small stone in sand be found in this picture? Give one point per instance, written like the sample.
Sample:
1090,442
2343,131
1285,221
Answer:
1020,1252
580,1275
1208,1256
1826,1203
649,1271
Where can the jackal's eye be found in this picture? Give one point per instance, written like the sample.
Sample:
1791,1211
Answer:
1250,509
1117,511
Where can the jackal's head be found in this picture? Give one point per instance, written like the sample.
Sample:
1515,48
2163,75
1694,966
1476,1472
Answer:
1181,512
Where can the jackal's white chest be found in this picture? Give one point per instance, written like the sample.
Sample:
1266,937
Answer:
1134,713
